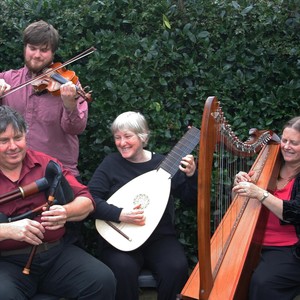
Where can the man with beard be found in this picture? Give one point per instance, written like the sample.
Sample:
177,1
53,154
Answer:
54,122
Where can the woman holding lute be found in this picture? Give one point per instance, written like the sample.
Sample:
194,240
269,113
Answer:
161,253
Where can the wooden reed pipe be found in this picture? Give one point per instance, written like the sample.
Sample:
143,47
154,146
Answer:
55,169
26,269
25,191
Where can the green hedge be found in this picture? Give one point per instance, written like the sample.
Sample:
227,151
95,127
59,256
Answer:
164,58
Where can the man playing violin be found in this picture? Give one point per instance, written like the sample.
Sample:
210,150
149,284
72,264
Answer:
54,121
58,266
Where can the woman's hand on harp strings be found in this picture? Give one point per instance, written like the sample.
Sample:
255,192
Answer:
134,216
243,177
25,230
242,184
248,189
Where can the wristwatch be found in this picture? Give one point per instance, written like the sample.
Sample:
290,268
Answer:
265,195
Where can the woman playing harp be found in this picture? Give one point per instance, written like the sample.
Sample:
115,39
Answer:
223,256
277,275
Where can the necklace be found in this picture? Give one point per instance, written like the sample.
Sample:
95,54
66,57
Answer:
283,182
288,178
281,185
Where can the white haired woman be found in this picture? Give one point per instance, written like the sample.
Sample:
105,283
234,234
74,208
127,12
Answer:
161,253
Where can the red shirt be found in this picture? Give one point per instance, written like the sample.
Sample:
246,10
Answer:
34,166
277,234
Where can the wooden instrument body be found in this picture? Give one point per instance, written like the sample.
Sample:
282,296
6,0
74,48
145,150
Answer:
236,240
226,260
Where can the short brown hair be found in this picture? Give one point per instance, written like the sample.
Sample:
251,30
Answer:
41,33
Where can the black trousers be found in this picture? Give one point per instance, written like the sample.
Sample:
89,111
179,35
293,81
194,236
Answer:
165,257
277,275
64,271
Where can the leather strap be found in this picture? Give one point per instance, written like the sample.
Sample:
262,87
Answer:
41,248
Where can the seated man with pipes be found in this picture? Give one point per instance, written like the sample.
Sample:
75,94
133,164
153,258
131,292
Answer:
37,197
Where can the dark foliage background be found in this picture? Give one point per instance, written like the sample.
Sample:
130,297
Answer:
164,58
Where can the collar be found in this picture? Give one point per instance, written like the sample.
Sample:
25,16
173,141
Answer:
29,162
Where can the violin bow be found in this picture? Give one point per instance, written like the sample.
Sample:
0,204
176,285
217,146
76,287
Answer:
75,58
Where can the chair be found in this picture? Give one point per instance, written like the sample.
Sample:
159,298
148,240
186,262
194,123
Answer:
146,279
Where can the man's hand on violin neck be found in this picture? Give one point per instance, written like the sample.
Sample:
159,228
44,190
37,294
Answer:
68,94
4,87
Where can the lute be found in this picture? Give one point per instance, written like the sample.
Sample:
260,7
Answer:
151,191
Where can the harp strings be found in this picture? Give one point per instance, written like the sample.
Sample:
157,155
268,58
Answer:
227,163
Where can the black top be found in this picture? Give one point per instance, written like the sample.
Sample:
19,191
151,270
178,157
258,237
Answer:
115,171
291,209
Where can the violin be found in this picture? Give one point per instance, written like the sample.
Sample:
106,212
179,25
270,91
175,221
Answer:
54,76
53,80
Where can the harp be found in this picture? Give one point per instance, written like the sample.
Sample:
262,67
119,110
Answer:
228,252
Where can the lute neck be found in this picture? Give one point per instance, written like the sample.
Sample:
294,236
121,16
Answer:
184,147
